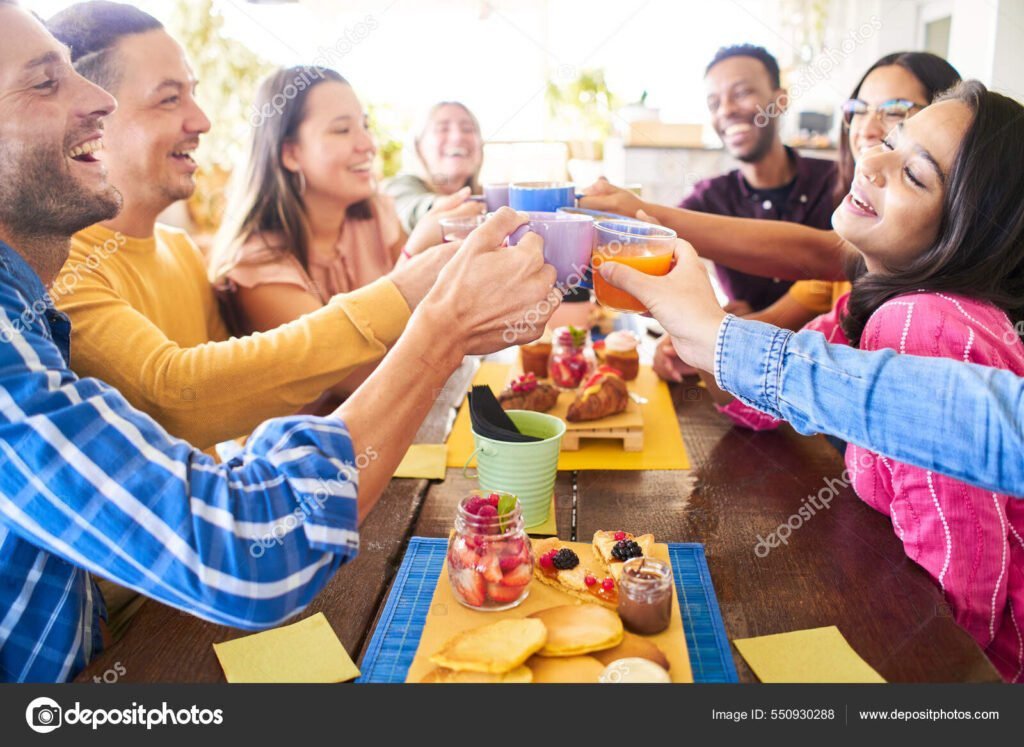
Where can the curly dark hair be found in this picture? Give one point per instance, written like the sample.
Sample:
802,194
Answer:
760,54
979,249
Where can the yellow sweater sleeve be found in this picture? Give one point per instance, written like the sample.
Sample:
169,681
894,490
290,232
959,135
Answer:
221,390
814,295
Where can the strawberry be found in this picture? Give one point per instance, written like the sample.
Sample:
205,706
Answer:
462,555
561,374
519,577
470,586
509,563
503,594
490,567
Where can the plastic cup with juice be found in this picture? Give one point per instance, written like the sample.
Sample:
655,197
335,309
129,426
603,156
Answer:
642,246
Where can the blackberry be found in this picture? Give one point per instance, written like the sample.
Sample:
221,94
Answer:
626,549
565,559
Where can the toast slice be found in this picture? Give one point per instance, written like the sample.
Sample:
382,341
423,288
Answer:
604,542
573,581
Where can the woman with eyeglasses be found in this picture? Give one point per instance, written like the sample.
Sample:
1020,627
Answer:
895,87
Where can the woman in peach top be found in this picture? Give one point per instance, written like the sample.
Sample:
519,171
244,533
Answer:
306,221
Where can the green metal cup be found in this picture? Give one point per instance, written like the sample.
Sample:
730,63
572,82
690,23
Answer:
528,469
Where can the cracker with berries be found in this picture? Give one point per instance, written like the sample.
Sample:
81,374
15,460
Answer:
615,548
558,565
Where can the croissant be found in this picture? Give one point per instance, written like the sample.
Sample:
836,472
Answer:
604,394
526,393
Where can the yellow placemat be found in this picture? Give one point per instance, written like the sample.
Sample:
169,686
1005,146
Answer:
816,655
447,617
424,461
663,444
306,651
548,528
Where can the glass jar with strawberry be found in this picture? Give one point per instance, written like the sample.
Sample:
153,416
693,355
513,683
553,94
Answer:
490,564
572,357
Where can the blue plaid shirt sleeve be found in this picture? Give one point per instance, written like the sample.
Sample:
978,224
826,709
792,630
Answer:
89,484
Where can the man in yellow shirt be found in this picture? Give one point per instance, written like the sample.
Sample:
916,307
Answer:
144,316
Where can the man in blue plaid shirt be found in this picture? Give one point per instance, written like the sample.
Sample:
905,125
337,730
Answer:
89,485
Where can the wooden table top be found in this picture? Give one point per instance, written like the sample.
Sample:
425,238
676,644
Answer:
844,566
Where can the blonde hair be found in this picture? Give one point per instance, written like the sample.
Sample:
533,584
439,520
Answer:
412,157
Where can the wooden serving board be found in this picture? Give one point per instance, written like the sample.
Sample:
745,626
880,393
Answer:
627,426
447,617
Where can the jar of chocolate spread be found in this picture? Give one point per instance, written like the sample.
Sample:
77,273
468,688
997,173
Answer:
645,595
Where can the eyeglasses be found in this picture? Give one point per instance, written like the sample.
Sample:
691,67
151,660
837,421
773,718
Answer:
890,113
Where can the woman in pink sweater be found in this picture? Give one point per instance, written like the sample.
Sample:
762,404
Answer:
941,238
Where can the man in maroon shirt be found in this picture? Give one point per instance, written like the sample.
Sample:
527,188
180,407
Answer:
745,99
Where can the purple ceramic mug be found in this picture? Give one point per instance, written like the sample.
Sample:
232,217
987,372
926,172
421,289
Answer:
568,243
495,196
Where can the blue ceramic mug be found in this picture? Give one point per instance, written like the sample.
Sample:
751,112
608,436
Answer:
541,197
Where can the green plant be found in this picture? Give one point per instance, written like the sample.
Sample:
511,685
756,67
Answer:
388,129
228,74
581,109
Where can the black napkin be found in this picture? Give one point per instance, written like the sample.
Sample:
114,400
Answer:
490,421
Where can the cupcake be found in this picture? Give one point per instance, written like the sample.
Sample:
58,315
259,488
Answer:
535,355
620,351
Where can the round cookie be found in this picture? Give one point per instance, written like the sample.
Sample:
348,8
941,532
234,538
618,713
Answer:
576,629
496,648
565,669
633,646
633,670
440,675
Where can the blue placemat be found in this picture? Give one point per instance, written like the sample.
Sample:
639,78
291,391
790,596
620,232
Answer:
394,642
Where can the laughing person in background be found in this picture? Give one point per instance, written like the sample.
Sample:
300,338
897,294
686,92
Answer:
92,487
306,221
745,100
442,158
938,224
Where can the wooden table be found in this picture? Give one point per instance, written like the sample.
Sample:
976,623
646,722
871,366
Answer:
844,566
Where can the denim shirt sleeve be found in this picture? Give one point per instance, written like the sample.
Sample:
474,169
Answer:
960,419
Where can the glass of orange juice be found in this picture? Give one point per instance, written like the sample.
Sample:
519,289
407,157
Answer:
643,246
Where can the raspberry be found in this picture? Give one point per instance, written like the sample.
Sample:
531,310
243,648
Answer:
487,511
546,559
608,584
589,580
619,536
493,499
473,504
